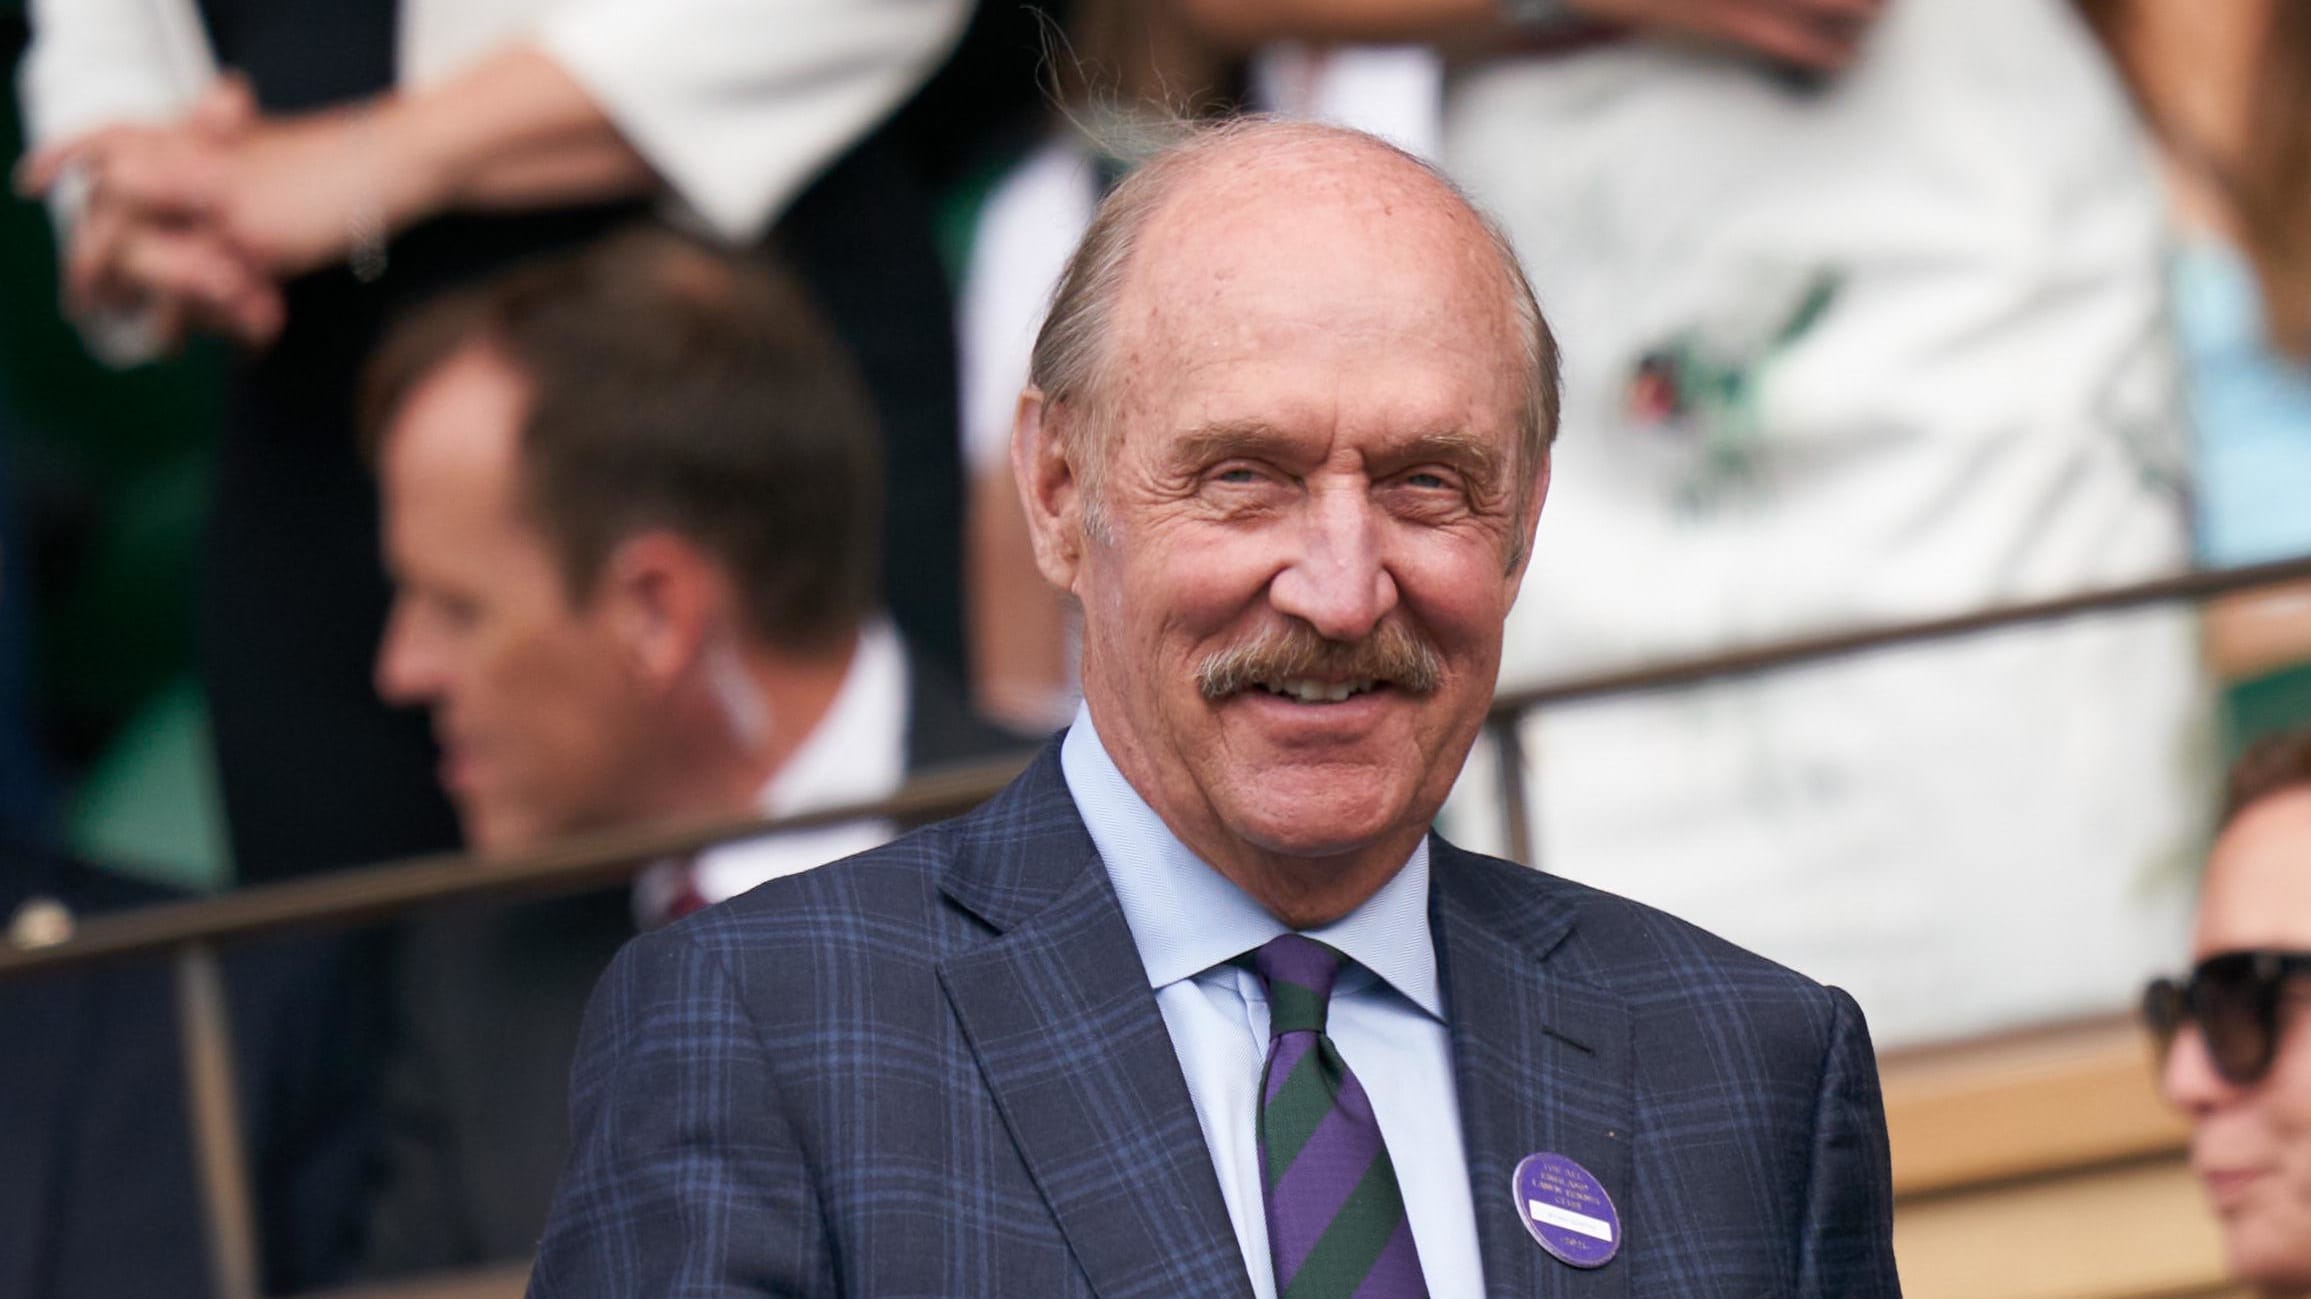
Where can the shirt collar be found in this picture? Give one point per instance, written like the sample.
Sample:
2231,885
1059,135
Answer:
858,750
1186,917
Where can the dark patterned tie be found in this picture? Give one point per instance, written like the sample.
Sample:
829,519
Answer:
1336,1224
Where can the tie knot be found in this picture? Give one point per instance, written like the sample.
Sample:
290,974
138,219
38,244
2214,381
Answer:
1298,972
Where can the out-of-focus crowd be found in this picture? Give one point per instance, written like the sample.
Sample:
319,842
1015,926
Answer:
614,427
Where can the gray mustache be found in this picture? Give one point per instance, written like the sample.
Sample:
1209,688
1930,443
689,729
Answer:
1391,654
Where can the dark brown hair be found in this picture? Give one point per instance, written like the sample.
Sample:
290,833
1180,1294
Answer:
2274,764
675,386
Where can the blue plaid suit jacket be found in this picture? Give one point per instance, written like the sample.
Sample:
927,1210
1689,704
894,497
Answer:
936,1069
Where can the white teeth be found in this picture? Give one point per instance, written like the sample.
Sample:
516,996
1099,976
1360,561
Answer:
1317,692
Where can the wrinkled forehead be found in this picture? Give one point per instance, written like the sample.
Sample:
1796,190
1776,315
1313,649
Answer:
1342,213
1241,255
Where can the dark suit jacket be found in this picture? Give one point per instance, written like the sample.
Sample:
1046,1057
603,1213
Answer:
937,1069
490,1002
98,1193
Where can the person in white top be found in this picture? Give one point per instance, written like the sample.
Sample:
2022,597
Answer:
1865,326
184,199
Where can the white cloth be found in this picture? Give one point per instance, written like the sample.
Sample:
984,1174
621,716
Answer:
1387,1016
737,104
856,753
1978,407
1026,230
1392,91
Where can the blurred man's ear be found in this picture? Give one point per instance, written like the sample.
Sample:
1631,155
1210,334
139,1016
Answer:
661,599
1050,490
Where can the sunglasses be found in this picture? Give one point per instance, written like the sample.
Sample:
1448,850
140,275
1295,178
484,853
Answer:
2235,999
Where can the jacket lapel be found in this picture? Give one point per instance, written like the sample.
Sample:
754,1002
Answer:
1542,1062
1066,1032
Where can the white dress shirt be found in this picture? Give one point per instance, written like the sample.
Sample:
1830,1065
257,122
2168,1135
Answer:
1387,1015
856,753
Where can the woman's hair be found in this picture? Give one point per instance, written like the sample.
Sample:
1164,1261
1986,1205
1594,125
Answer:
2271,765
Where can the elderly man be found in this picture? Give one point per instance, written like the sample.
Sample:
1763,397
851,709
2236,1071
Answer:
631,499
1199,1006
2237,1060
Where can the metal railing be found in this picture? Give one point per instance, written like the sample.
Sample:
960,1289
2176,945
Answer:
192,931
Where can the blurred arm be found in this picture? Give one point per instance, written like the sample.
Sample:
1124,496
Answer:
2256,632
1248,24
732,105
1811,33
738,104
514,131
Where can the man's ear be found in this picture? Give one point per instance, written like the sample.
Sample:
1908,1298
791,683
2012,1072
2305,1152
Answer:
662,597
1050,490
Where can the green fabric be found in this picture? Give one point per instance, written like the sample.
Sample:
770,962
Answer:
148,806
1345,1253
2260,706
1294,1009
107,492
1291,1118
1305,1128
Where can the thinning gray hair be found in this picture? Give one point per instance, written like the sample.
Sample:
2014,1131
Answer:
1070,360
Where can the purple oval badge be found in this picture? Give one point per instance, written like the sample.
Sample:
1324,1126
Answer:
1567,1210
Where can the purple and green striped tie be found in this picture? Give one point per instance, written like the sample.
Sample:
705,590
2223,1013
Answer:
1336,1224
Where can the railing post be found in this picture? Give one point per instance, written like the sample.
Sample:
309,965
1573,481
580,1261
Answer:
1509,770
214,1104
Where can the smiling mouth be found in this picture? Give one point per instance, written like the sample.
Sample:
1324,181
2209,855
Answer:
1306,691
2226,1185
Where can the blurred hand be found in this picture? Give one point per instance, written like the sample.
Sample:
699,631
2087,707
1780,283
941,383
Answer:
294,192
1819,34
147,237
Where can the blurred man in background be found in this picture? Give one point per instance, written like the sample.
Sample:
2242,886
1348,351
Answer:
630,502
2238,1059
290,176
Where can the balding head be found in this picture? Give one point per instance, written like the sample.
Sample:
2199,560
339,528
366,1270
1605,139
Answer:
1226,182
1288,446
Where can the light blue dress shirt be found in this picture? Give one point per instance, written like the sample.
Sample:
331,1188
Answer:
1387,1016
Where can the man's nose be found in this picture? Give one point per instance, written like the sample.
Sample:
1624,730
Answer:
2188,1077
1336,580
402,676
